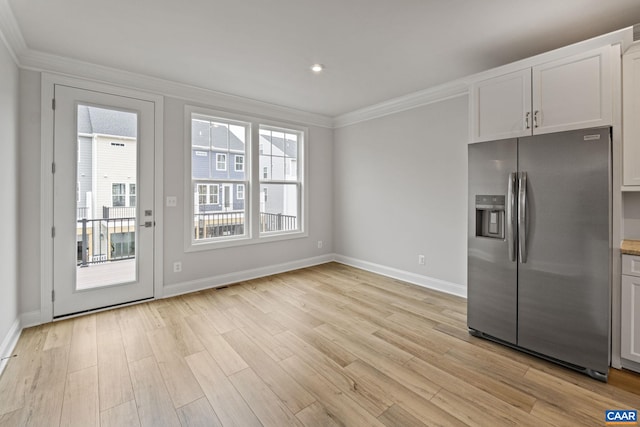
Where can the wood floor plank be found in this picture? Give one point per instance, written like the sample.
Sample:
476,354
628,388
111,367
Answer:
269,409
59,334
339,406
228,404
84,351
229,361
134,337
283,385
43,405
198,414
113,370
81,406
260,336
397,392
396,416
422,387
155,408
369,398
17,380
170,350
316,415
125,414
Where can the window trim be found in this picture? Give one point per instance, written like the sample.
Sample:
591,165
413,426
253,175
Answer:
238,187
251,182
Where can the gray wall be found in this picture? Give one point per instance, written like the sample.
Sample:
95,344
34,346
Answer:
9,179
198,265
400,189
29,170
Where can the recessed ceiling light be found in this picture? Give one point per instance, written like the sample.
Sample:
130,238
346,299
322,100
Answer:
316,68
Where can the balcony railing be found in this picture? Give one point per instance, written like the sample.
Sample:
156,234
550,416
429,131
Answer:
98,242
108,212
218,224
277,222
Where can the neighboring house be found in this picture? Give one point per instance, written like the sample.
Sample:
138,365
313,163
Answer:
106,188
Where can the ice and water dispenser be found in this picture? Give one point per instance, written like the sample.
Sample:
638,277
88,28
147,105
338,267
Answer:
490,216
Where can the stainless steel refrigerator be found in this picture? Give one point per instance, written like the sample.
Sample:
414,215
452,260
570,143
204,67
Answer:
539,249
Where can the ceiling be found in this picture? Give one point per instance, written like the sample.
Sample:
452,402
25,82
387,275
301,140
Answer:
373,50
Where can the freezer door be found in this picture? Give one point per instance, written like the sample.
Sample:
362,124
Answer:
564,282
492,276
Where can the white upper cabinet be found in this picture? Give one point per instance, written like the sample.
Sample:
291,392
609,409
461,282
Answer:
571,93
502,106
631,116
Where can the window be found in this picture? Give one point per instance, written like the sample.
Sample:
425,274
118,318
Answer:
221,212
207,194
280,211
218,211
118,195
221,162
239,163
132,195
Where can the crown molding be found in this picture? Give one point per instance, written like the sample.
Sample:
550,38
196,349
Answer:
10,32
421,98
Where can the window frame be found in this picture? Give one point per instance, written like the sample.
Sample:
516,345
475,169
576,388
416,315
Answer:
218,156
240,186
122,195
251,182
235,163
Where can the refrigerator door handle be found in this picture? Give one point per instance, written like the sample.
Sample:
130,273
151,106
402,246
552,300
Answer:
511,212
522,217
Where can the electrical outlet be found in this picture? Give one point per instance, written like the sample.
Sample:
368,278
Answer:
319,244
177,267
421,260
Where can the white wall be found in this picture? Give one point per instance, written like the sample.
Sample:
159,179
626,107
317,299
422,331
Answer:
400,189
9,83
196,267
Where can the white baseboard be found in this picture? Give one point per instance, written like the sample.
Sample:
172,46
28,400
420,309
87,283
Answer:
416,279
227,279
9,343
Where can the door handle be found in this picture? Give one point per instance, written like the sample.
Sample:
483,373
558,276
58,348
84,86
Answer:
147,224
511,205
526,120
522,217
536,119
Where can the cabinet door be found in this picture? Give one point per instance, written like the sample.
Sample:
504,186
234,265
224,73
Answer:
500,107
630,331
631,117
573,93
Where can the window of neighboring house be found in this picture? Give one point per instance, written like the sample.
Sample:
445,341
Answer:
221,162
220,216
118,195
281,180
239,163
132,195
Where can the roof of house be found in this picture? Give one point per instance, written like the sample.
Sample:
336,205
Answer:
105,121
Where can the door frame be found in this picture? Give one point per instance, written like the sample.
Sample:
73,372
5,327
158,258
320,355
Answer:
46,183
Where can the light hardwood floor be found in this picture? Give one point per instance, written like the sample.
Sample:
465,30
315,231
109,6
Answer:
323,346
